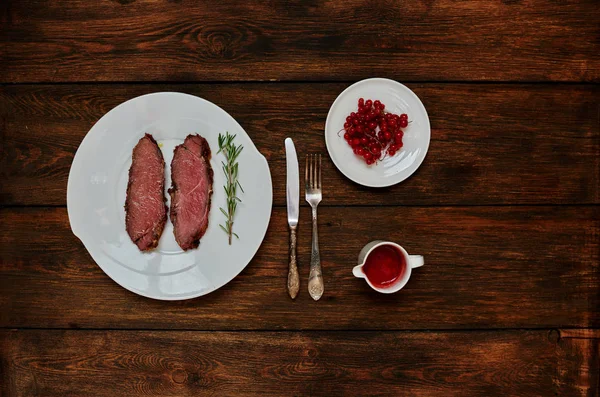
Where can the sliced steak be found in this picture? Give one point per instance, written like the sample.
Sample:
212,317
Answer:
191,190
145,209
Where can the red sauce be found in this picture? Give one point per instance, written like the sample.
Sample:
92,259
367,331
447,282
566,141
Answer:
384,266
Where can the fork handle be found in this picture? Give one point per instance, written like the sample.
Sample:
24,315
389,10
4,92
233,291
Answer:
293,283
315,277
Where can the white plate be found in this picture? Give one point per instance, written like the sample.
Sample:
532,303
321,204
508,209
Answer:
96,198
397,99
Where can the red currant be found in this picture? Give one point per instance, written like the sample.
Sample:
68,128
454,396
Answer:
362,135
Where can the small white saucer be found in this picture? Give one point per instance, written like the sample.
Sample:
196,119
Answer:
397,99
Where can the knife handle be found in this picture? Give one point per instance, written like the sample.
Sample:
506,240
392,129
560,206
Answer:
293,283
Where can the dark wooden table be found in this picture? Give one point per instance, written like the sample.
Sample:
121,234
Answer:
504,208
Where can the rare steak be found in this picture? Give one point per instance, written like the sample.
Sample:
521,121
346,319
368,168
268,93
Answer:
145,209
191,190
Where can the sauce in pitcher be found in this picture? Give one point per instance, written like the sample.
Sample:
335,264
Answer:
384,266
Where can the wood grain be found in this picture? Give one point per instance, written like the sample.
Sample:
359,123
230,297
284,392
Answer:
186,40
504,267
507,363
491,144
581,346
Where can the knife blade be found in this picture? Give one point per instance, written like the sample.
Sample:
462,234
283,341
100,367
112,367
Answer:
293,209
293,182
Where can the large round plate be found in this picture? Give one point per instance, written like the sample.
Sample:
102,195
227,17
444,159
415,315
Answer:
98,182
398,99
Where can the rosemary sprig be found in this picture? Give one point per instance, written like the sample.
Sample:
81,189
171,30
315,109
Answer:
230,169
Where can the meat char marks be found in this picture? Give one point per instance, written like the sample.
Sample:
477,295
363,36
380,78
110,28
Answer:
145,209
191,190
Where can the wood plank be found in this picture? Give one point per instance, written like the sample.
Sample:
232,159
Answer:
186,40
502,267
491,144
581,347
141,363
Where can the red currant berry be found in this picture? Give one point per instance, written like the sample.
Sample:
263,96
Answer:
387,135
403,123
347,136
364,140
368,103
404,116
361,102
360,151
355,142
370,161
377,103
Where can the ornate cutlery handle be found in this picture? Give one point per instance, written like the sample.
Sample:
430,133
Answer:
315,277
293,283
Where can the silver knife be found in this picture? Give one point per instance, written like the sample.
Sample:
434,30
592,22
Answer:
293,208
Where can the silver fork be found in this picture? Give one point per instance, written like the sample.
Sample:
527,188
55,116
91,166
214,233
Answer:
313,197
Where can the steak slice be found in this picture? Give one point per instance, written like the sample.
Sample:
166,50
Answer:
145,209
191,190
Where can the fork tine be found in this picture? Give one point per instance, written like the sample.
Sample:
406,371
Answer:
310,171
320,165
313,169
316,170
